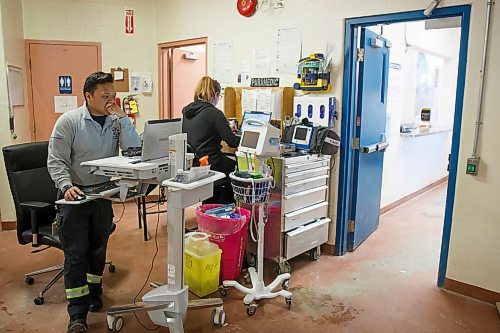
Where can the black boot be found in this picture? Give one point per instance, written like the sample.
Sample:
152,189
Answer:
95,303
77,323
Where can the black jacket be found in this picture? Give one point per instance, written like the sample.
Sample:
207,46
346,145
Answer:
206,126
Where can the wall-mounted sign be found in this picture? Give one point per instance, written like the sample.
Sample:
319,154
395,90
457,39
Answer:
129,21
65,84
265,82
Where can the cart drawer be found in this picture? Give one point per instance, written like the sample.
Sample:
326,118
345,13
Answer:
305,215
297,167
303,199
306,237
305,184
301,175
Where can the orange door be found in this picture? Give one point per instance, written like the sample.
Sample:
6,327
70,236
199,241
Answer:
185,76
49,61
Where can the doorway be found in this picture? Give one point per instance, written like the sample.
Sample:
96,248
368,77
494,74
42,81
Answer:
182,65
351,147
47,62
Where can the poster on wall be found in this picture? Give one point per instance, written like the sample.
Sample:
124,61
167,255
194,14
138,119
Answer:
15,85
288,50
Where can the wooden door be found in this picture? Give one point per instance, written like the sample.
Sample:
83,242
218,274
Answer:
48,61
186,73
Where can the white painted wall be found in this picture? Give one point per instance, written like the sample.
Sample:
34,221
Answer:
411,163
474,246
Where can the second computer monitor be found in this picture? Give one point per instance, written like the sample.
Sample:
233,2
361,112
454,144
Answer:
155,137
262,116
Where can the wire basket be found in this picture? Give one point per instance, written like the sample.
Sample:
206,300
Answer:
249,190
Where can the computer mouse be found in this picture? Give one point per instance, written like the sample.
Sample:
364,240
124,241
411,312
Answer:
80,197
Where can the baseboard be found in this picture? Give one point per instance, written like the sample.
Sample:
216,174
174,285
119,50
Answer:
410,196
8,225
465,289
327,249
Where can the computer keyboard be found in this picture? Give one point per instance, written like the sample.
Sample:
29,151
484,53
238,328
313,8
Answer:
109,187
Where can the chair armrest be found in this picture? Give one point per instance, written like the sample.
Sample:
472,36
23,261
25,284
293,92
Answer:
34,206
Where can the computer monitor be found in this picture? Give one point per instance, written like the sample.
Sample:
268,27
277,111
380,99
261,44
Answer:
258,115
261,139
302,137
155,137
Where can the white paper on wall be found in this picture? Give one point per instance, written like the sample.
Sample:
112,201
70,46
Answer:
288,50
277,102
243,73
135,82
65,103
248,100
263,100
222,61
261,61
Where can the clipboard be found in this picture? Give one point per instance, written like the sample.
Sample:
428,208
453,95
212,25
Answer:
121,80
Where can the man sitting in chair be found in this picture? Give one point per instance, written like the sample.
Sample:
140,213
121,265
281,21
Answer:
92,131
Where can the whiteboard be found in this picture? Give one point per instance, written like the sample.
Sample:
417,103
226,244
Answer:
16,87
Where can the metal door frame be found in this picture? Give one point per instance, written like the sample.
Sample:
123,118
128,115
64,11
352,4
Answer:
349,112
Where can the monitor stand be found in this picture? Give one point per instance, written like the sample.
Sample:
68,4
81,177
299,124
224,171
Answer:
168,304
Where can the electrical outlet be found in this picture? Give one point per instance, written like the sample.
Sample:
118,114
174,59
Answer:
279,4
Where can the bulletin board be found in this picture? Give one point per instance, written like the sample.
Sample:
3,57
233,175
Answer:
232,101
15,84
121,79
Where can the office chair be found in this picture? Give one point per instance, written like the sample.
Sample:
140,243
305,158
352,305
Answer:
34,196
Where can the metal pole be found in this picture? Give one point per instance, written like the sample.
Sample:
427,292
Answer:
490,3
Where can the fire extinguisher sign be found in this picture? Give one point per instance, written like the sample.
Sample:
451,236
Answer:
129,21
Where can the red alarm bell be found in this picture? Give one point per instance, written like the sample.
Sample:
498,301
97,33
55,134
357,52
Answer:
246,7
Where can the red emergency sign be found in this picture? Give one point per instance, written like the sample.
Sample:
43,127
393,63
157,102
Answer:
129,21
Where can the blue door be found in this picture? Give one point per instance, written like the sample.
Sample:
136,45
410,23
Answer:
369,143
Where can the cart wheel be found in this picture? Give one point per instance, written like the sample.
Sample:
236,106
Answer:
218,316
251,259
29,280
224,291
247,278
315,253
115,323
284,285
39,300
112,268
251,309
288,302
284,267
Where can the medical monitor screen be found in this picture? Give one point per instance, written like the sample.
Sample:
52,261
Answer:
300,133
250,139
262,116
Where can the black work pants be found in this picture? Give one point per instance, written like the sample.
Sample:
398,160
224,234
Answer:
84,231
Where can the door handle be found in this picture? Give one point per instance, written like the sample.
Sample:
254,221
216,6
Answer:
379,146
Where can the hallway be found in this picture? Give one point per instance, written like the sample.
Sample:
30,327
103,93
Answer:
387,285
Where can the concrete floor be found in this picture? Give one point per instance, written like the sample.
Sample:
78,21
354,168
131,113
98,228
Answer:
387,285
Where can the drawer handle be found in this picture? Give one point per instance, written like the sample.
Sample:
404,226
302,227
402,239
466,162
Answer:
305,181
306,192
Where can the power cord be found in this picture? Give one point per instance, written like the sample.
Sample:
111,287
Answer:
150,271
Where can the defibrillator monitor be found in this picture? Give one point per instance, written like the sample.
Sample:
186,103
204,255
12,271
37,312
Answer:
261,139
302,137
